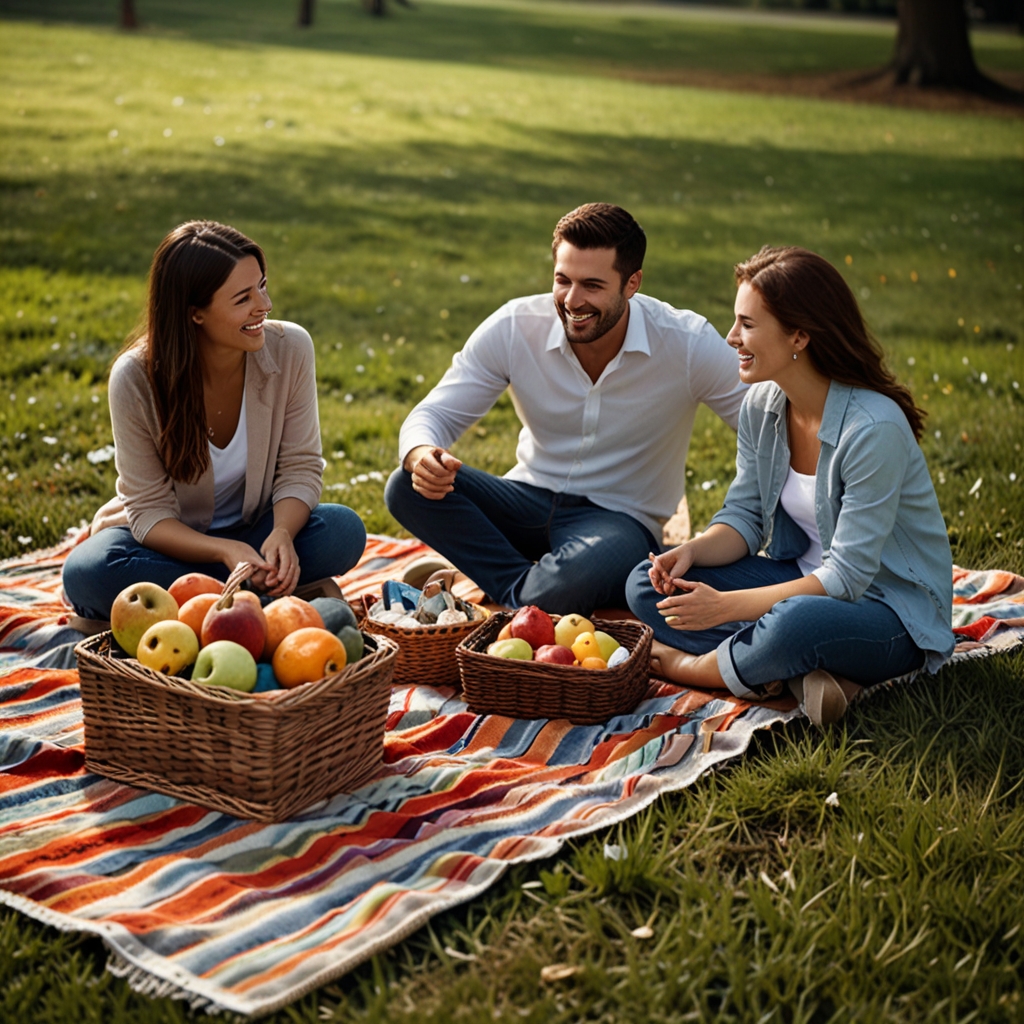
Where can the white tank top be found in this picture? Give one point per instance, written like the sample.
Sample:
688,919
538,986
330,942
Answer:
229,476
797,499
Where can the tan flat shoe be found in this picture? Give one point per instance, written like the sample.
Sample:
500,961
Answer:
824,697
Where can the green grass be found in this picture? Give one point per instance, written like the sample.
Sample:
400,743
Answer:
381,163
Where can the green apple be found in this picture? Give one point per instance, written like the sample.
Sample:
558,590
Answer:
168,646
568,627
606,644
225,663
353,641
512,648
135,609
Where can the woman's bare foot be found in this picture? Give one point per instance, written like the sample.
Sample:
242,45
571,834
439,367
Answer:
686,669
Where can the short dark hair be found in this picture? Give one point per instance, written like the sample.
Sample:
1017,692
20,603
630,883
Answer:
604,226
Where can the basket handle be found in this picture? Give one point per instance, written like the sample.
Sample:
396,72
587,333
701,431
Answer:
239,575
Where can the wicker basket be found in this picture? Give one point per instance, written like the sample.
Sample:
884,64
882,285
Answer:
263,756
530,689
426,656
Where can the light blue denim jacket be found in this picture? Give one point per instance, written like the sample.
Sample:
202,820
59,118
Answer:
882,534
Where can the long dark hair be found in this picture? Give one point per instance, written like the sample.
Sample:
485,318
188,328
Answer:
189,265
804,292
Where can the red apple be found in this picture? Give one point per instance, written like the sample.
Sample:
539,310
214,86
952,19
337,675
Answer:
554,654
533,625
135,609
184,588
240,618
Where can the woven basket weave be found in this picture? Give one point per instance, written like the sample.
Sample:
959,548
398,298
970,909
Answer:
426,656
262,756
530,689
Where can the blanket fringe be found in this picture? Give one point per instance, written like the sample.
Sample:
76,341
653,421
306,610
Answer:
146,984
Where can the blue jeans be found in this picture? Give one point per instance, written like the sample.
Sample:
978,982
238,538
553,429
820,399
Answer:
98,570
523,544
862,640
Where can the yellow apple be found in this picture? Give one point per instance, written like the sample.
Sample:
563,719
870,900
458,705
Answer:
586,646
168,646
135,609
607,643
568,627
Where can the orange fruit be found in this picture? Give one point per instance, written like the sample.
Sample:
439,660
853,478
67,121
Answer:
307,654
593,663
194,610
184,588
284,616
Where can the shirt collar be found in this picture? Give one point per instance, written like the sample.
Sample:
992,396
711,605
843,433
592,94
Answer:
836,401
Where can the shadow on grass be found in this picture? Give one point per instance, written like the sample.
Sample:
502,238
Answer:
552,40
489,203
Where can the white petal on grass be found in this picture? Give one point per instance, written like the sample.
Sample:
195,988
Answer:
24,541
47,439
832,800
771,885
976,486
612,851
104,454
558,972
645,931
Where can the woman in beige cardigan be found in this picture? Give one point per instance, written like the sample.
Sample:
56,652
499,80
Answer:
217,438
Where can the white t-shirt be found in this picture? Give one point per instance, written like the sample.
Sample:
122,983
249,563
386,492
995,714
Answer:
797,499
229,476
621,442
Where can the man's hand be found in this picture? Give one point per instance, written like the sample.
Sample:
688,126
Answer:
433,471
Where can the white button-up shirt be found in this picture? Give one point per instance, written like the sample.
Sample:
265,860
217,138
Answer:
622,441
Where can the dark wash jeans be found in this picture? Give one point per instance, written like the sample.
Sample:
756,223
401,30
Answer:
523,544
862,640
100,568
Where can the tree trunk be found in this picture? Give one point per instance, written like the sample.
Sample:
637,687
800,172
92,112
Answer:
128,19
933,46
306,13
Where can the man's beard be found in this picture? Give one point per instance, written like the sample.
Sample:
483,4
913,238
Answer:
596,328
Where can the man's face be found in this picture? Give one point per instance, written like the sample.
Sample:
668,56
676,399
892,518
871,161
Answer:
588,292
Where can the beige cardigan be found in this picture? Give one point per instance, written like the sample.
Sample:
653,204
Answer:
283,432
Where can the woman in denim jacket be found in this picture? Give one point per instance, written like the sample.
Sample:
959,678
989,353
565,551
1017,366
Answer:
832,487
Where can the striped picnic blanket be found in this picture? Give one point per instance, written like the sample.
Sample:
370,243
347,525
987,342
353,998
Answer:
247,917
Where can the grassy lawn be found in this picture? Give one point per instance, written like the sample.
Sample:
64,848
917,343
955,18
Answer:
404,176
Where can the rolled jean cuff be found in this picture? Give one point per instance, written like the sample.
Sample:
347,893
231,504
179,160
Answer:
730,676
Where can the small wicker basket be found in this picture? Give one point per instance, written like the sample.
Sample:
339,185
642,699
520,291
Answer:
530,689
426,656
263,756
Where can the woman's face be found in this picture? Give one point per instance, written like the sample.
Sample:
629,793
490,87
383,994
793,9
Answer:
765,348
234,318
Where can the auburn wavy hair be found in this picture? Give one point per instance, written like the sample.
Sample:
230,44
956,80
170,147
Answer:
804,292
189,265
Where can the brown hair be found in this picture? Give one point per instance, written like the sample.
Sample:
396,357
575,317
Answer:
604,226
804,292
189,265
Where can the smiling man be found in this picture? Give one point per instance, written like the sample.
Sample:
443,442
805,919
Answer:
606,383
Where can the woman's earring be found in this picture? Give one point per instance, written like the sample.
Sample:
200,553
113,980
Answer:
794,355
